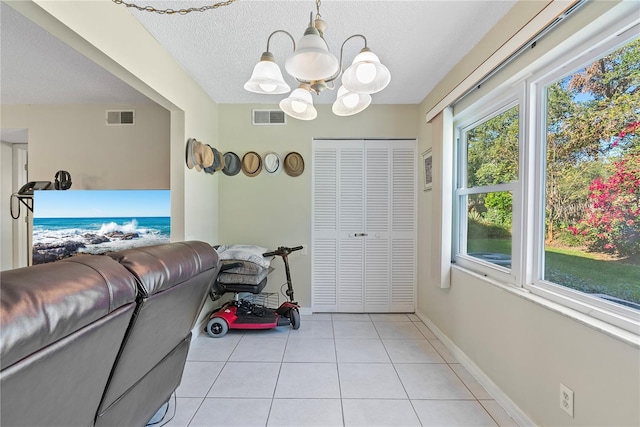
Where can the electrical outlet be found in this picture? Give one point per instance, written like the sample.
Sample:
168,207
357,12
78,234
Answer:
304,250
566,399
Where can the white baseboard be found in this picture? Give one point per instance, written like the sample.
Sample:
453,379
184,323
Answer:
503,400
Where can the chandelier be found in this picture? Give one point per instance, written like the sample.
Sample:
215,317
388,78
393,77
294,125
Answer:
316,69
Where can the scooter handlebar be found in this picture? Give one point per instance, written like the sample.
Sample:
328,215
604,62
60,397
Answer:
282,250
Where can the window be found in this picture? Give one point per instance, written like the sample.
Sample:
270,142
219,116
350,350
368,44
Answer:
592,178
487,179
552,177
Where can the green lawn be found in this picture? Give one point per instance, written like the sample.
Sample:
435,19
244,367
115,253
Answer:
579,270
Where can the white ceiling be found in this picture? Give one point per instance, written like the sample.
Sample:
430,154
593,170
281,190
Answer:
418,40
37,68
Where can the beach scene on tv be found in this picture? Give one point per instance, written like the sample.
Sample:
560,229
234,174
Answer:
67,223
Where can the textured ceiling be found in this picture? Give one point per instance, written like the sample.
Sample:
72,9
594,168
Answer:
418,40
37,68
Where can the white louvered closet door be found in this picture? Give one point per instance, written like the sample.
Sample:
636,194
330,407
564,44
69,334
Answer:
324,248
404,274
377,215
350,228
364,226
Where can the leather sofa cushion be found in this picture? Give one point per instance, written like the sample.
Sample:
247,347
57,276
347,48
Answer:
43,303
161,267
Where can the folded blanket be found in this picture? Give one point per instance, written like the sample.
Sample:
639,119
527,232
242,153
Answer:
251,279
249,253
247,267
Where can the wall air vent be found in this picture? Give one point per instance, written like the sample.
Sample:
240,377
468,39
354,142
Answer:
119,118
269,117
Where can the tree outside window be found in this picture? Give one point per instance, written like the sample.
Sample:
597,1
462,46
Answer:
592,186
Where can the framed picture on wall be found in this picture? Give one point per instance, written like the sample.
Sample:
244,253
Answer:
427,170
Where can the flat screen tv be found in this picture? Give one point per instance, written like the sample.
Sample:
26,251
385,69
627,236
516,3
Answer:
71,222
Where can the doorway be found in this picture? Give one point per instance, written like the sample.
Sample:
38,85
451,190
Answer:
15,247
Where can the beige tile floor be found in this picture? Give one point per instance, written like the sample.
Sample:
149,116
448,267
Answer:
336,370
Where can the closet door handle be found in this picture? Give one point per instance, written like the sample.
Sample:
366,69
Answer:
361,234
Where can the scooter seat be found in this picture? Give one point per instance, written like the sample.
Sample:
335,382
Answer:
242,287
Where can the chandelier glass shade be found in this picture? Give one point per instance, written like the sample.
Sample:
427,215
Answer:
312,60
366,74
267,77
299,104
316,69
349,103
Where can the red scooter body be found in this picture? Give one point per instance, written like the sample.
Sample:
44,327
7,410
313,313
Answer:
229,312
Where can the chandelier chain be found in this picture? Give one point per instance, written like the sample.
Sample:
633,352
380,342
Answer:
178,11
318,9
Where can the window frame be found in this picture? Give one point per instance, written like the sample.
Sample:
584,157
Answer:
463,123
527,89
592,48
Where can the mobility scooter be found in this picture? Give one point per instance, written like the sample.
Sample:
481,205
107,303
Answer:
244,314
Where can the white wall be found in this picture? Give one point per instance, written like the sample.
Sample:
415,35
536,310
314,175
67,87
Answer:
75,138
517,344
273,211
528,349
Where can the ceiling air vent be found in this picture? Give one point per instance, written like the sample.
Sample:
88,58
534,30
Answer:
269,117
117,118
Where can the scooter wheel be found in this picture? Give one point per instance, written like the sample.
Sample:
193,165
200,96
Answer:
217,327
294,318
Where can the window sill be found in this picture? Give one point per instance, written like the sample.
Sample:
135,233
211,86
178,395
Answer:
606,328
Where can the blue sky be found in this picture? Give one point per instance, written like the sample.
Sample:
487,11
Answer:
101,203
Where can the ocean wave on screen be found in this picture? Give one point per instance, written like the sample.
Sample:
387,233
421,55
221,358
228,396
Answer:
86,232
50,236
127,227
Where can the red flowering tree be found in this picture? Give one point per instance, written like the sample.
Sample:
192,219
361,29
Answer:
585,112
612,219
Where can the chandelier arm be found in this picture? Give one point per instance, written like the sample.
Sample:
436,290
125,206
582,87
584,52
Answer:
281,31
339,73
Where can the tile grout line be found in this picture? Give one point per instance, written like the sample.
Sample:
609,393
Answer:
475,398
399,378
204,398
335,351
273,396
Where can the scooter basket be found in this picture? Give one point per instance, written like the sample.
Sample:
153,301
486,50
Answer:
264,299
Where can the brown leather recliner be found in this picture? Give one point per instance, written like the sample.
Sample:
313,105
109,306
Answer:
61,325
174,281
99,340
